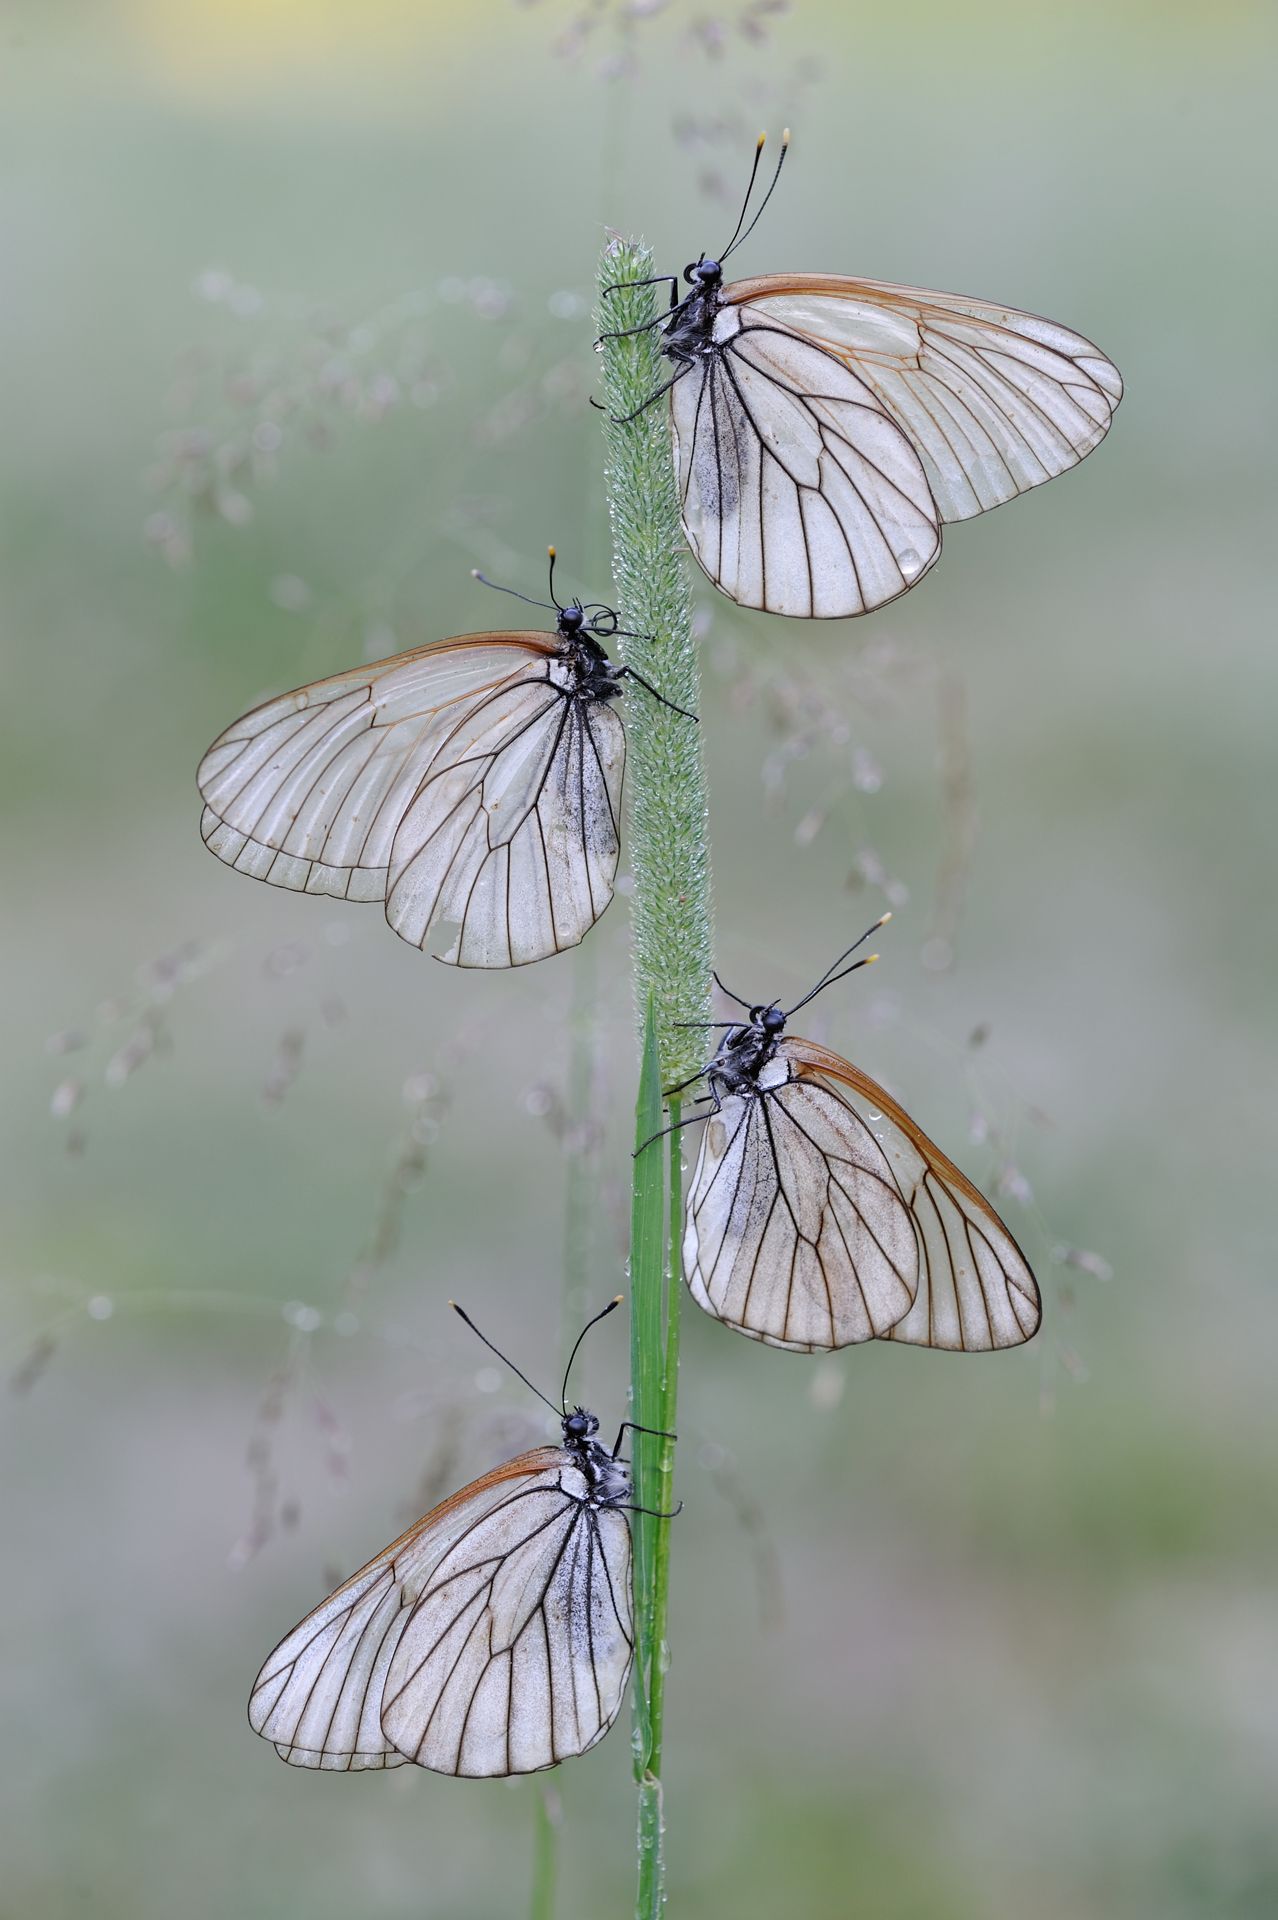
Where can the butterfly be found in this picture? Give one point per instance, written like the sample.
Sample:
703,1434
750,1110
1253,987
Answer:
472,785
826,429
494,1637
820,1215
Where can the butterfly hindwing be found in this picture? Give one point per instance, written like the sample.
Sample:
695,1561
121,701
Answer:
509,849
517,1654
795,1232
800,493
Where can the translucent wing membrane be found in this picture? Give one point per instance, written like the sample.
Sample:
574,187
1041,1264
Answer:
820,1215
466,785
308,791
495,1637
994,401
509,850
800,493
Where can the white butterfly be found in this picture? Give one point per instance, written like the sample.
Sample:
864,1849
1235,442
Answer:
494,1637
827,428
821,1215
472,785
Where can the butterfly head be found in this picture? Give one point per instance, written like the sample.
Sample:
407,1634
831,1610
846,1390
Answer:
705,275
578,1426
768,1020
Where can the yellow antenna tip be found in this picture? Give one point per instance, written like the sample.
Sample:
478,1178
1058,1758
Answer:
453,1305
617,1299
758,145
883,922
785,136
550,553
870,959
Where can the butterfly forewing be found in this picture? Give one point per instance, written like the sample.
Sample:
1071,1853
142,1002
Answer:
975,1290
993,400
308,791
509,849
494,1637
796,1232
800,493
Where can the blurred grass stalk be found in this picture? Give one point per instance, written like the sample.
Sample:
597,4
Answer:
670,912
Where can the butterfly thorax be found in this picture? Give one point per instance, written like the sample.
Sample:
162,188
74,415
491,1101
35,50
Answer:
746,1051
607,1482
592,676
690,333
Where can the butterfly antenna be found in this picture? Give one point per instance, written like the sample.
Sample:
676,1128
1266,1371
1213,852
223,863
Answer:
550,552
462,1313
747,1004
754,174
735,242
484,581
832,973
612,1305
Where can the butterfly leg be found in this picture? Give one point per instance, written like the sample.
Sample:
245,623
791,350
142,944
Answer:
686,1120
658,1433
656,1513
655,280
659,697
628,333
624,419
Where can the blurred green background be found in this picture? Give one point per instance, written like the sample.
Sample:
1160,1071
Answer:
296,331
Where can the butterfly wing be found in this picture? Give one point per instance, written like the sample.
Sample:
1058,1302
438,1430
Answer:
509,849
517,1653
975,1288
800,493
995,401
515,1568
796,1232
307,791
